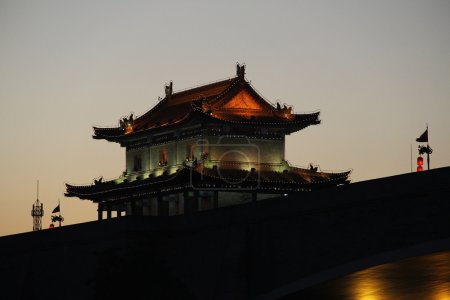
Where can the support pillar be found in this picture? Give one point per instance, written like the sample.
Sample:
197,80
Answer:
100,212
138,208
160,205
187,202
145,207
127,207
133,207
216,200
108,211
190,202
194,200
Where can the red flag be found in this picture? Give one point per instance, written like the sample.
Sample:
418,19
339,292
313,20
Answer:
423,138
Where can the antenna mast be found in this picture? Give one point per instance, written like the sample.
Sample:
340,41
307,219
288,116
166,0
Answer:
37,212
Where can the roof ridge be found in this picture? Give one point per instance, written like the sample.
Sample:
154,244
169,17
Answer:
165,99
203,85
151,109
224,92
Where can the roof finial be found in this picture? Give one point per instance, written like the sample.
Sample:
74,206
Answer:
240,70
168,89
126,124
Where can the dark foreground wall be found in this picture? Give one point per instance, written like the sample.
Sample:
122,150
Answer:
262,250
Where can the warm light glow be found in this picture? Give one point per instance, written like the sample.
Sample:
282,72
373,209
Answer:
287,112
441,273
367,286
243,100
128,129
420,161
173,170
158,172
422,277
442,292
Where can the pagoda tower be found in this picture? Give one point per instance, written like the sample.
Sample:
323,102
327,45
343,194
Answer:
203,148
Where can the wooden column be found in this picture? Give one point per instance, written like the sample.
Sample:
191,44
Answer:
100,212
186,203
160,205
133,208
145,207
139,209
190,202
108,211
195,200
254,196
216,199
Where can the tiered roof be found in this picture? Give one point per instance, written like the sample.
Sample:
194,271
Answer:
293,180
231,101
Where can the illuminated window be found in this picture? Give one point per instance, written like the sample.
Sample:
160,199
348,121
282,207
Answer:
163,157
190,152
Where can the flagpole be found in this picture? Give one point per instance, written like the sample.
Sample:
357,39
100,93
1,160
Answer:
411,158
424,149
428,153
59,204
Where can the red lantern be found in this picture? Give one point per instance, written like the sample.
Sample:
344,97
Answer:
419,164
420,161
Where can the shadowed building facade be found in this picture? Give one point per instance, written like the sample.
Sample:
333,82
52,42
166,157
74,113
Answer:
211,146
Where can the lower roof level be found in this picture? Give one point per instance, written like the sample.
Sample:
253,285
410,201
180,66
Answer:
199,177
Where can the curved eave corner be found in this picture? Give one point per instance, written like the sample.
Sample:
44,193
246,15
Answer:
325,177
109,134
342,177
312,118
71,191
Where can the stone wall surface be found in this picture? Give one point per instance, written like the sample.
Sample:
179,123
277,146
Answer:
260,250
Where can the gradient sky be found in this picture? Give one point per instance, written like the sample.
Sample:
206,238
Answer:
377,70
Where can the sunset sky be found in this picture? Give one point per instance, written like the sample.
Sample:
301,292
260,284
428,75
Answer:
377,70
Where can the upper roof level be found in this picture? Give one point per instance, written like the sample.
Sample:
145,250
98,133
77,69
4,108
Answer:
232,101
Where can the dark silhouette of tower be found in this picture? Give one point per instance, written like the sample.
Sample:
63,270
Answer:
37,212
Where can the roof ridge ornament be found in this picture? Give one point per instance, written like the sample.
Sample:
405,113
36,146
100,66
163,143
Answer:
240,71
126,124
169,89
284,111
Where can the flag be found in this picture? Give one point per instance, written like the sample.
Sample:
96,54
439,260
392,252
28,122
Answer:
56,210
423,138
